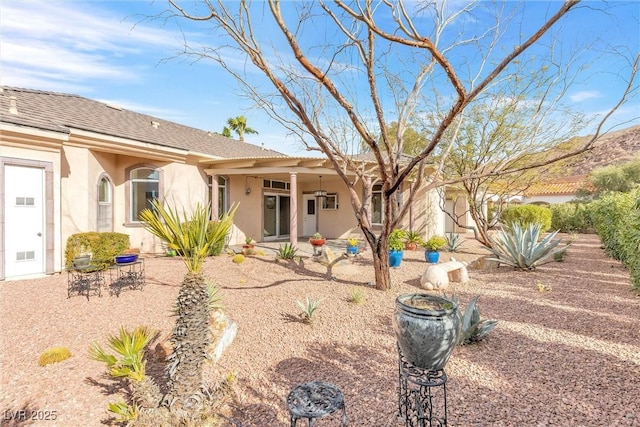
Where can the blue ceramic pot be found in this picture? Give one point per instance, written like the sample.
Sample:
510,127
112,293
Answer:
431,257
352,250
395,257
427,328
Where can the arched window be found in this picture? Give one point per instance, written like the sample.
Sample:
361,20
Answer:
144,186
105,204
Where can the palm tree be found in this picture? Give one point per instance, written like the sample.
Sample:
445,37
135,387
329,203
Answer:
191,336
239,126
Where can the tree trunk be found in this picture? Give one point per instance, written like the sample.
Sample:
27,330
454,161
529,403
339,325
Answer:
191,340
381,268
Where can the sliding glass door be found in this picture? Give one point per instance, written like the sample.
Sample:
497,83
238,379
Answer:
276,214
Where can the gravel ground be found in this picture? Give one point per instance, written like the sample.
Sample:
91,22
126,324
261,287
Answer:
569,356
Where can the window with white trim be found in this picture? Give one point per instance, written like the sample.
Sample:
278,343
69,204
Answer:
144,187
223,198
105,205
330,202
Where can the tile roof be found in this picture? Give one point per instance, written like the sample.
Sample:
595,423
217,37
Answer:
63,112
561,186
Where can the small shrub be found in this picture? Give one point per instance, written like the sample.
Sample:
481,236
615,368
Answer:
560,255
526,215
435,243
356,296
570,217
288,251
454,243
308,308
543,288
473,329
54,355
238,259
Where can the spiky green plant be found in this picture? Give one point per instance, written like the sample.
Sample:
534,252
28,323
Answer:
186,234
472,328
308,308
130,365
191,336
124,412
523,248
454,242
130,346
288,251
54,355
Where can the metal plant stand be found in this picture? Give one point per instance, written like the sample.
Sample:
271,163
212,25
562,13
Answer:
84,281
313,400
128,275
422,395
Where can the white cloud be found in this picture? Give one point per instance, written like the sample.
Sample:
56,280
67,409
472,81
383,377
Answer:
67,44
585,95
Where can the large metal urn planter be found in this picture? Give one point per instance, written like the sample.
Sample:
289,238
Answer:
427,328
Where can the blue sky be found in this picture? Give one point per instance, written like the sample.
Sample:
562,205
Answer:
104,50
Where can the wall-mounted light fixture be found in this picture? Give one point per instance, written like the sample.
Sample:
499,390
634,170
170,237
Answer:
247,189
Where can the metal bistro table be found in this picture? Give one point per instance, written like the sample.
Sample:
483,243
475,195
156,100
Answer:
85,280
313,400
126,275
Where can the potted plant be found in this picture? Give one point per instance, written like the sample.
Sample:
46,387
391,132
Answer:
413,240
433,246
427,329
83,257
248,246
396,247
317,240
352,246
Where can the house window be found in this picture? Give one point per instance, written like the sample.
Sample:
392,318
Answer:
280,185
105,205
223,199
144,187
330,202
377,212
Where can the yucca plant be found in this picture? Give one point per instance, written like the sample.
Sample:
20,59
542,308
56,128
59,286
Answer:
288,251
191,336
130,346
130,365
523,248
454,242
308,308
473,329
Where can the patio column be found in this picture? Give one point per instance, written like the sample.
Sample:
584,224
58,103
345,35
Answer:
293,208
214,197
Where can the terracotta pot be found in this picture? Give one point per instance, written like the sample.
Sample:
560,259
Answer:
317,242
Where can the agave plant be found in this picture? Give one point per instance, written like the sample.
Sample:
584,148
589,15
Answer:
472,328
191,336
288,251
308,308
523,248
453,241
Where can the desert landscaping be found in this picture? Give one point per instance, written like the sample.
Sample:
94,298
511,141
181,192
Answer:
565,351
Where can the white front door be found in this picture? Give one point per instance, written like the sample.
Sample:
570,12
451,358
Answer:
24,221
309,214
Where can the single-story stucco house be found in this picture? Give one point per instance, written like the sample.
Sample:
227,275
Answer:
69,164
